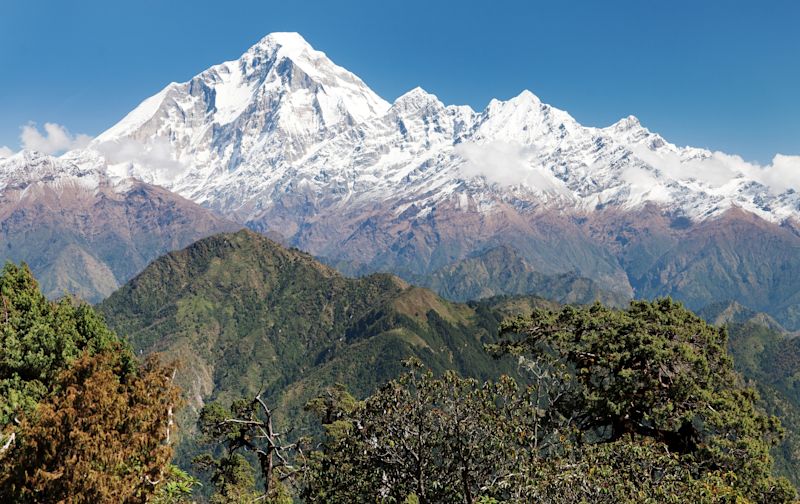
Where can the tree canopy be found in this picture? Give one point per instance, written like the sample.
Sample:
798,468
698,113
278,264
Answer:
636,405
39,339
82,419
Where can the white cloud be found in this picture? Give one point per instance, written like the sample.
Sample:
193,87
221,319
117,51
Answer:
156,158
509,164
719,169
506,164
782,174
714,171
56,138
5,152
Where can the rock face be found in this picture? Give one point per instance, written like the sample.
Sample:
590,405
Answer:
82,234
286,142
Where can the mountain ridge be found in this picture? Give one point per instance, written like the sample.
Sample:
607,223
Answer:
84,234
291,145
560,162
243,314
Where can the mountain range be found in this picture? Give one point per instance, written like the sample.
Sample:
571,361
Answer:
84,234
287,143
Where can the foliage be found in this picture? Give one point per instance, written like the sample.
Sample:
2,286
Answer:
770,359
103,436
38,341
241,313
640,405
657,373
232,477
624,471
611,385
427,439
176,487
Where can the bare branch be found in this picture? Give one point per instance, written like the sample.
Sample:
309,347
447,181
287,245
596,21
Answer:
8,443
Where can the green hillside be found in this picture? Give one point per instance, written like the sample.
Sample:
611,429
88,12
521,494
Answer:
768,356
770,359
241,314
504,271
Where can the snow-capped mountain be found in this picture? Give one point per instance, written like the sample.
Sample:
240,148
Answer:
218,136
284,119
288,143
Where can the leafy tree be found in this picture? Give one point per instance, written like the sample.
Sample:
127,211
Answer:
176,488
246,427
425,439
656,373
81,420
103,436
640,405
232,476
622,471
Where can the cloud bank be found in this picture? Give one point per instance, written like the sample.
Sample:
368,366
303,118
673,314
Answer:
55,139
718,169
5,152
507,164
782,174
511,164
154,161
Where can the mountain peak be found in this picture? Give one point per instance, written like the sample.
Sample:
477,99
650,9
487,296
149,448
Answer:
526,96
415,93
416,99
285,39
627,123
290,45
280,83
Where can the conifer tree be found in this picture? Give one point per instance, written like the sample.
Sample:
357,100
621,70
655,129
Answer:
81,420
104,436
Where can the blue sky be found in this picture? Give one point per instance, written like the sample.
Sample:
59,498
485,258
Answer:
722,74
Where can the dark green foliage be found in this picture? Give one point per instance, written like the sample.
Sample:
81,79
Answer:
657,372
430,440
244,428
176,488
439,440
770,359
626,471
232,477
648,384
39,339
640,405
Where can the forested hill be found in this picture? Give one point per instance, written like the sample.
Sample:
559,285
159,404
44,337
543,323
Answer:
241,314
